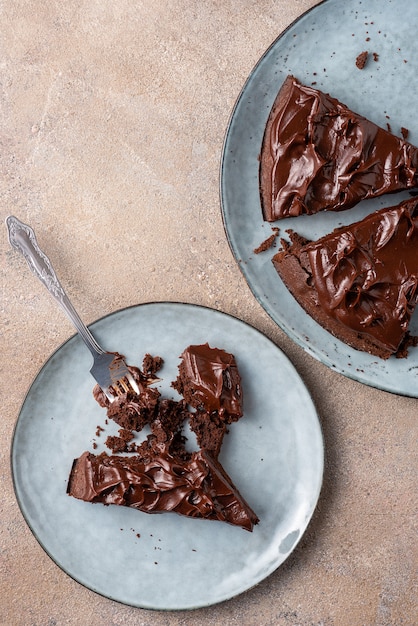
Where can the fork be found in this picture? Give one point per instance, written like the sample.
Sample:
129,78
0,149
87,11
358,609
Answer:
109,368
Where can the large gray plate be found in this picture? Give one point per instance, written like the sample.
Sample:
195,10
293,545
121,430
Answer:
274,455
322,47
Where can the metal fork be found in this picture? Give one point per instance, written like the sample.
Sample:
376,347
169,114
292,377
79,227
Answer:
109,368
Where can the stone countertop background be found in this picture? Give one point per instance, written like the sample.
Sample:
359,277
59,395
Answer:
113,116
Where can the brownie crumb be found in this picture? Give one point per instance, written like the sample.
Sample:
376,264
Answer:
151,365
267,243
209,430
121,443
132,411
405,132
375,56
361,60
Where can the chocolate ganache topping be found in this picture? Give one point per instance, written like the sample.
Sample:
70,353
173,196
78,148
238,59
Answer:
209,379
366,276
198,488
318,155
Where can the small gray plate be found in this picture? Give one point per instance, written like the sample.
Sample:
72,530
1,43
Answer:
274,455
321,48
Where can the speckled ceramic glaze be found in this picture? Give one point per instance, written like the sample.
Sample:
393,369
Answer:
274,455
321,48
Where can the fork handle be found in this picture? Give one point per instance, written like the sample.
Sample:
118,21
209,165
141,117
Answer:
23,239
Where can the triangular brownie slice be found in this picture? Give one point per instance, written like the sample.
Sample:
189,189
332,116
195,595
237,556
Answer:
359,282
195,487
318,155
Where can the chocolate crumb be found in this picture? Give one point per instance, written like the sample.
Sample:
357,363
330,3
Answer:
405,132
267,243
121,443
361,60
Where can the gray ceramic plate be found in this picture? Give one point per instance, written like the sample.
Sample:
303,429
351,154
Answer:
274,455
321,47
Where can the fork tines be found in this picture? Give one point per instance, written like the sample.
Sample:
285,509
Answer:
122,380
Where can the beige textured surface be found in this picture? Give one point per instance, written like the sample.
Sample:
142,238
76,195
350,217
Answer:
113,117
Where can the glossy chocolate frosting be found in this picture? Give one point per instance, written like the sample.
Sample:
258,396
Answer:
318,155
366,276
209,380
196,488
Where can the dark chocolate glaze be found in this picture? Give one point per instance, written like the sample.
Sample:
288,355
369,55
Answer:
318,155
209,380
198,487
366,275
